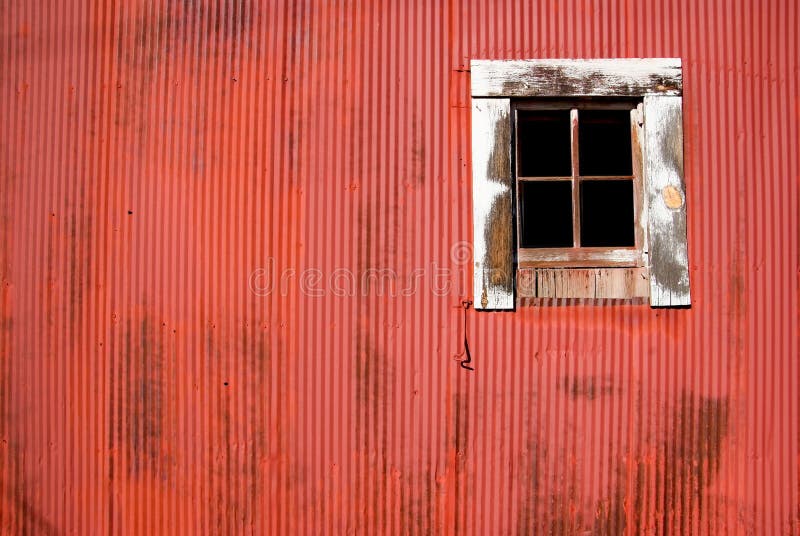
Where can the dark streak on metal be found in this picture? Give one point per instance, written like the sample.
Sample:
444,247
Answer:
461,429
80,256
590,387
144,400
18,514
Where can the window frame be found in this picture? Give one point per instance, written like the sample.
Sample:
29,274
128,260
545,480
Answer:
658,83
579,256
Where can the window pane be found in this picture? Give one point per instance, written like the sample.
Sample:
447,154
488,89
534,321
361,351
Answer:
607,213
543,137
546,214
604,142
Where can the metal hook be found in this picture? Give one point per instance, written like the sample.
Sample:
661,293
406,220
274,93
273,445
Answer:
464,363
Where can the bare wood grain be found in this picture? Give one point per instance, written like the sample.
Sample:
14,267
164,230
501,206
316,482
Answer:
594,283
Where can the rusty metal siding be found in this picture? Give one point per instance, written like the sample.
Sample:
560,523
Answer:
156,155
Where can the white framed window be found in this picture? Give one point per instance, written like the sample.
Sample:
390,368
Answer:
578,185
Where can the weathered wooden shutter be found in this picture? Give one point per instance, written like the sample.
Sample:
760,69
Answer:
665,197
492,191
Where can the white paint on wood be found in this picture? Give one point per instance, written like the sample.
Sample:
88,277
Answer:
663,155
618,77
493,281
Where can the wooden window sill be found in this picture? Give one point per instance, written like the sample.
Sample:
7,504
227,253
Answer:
580,257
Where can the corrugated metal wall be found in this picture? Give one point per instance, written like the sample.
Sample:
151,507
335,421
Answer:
160,159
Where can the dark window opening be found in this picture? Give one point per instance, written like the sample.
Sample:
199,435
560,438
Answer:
607,213
577,184
605,142
546,215
544,143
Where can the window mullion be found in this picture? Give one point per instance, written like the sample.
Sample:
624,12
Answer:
576,218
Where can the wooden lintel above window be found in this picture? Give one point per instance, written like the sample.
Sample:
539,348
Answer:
617,77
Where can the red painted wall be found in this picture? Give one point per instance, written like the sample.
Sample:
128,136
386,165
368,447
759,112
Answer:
158,158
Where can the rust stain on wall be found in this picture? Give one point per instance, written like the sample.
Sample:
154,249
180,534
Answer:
143,400
590,387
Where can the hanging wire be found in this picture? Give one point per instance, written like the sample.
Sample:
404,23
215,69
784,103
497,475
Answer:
466,304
